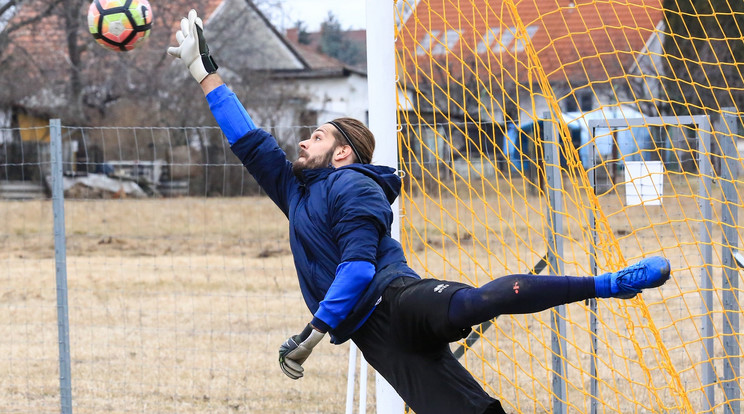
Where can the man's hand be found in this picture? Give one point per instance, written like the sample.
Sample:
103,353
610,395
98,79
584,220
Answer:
295,350
192,48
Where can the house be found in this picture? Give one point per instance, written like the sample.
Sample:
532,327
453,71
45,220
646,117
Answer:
322,86
242,40
356,38
283,85
504,64
579,46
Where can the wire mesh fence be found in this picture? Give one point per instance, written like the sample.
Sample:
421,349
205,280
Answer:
180,282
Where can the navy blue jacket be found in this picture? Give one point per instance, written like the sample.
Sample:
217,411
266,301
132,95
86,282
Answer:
336,215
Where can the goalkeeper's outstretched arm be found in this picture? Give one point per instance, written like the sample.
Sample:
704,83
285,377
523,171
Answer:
193,52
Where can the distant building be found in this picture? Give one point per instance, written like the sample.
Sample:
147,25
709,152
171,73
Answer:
502,71
311,40
242,39
582,49
287,88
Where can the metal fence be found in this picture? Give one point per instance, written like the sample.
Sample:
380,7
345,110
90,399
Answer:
166,299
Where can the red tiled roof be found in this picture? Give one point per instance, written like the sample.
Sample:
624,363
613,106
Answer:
573,40
318,60
358,37
315,59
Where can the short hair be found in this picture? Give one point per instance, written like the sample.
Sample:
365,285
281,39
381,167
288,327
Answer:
364,140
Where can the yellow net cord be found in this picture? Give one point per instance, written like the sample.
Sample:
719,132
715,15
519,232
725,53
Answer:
639,100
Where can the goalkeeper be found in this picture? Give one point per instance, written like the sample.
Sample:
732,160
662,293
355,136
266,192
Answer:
354,276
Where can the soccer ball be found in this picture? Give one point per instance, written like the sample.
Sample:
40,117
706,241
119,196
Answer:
120,25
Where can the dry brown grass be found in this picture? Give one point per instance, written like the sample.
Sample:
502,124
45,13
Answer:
179,305
176,305
649,350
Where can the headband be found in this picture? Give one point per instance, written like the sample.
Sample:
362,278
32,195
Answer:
348,139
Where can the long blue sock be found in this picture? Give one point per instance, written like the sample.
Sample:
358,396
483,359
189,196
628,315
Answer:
517,294
602,284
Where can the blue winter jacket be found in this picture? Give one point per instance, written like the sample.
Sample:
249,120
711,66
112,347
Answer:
335,216
339,222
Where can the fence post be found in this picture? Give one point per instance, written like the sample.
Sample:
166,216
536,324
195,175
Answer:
593,322
706,273
555,251
60,260
730,277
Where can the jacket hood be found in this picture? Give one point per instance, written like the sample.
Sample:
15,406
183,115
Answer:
383,175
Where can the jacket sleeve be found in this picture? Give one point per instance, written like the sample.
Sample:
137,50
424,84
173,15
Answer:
257,149
230,114
352,278
360,216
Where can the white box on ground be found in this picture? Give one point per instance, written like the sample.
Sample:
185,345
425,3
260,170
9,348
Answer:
644,182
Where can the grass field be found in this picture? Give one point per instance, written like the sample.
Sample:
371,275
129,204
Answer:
649,350
176,305
179,305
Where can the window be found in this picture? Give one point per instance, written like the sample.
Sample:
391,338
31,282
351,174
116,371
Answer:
520,44
506,38
583,101
308,121
499,40
425,44
586,101
439,43
446,42
488,39
570,104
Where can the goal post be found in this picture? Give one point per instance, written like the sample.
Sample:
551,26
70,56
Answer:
382,123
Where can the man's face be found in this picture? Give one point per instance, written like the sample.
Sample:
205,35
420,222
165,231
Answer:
316,151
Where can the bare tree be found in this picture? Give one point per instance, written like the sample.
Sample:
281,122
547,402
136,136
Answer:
51,66
333,42
66,74
47,44
704,54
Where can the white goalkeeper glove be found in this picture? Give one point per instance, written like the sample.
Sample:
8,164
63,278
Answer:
192,48
295,350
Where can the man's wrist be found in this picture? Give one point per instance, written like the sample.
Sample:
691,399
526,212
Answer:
319,325
211,82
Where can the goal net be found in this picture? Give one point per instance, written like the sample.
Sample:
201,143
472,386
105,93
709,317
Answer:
576,137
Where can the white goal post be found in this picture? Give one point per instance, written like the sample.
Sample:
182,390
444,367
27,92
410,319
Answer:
382,123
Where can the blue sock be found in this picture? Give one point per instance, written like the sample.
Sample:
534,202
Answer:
516,294
603,285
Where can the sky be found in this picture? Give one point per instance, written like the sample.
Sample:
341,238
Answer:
351,14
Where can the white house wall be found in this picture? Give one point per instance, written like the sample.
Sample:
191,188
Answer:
337,97
6,117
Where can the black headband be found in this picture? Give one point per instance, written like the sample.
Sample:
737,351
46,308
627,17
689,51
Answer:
348,139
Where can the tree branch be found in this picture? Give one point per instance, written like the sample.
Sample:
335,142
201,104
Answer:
41,15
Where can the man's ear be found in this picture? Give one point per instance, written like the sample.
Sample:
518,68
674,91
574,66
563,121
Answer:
341,153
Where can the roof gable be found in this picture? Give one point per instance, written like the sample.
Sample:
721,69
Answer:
577,41
240,32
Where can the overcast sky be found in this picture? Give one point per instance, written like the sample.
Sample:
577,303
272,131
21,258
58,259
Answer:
351,14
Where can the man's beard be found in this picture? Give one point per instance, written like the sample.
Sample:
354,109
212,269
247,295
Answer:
319,161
